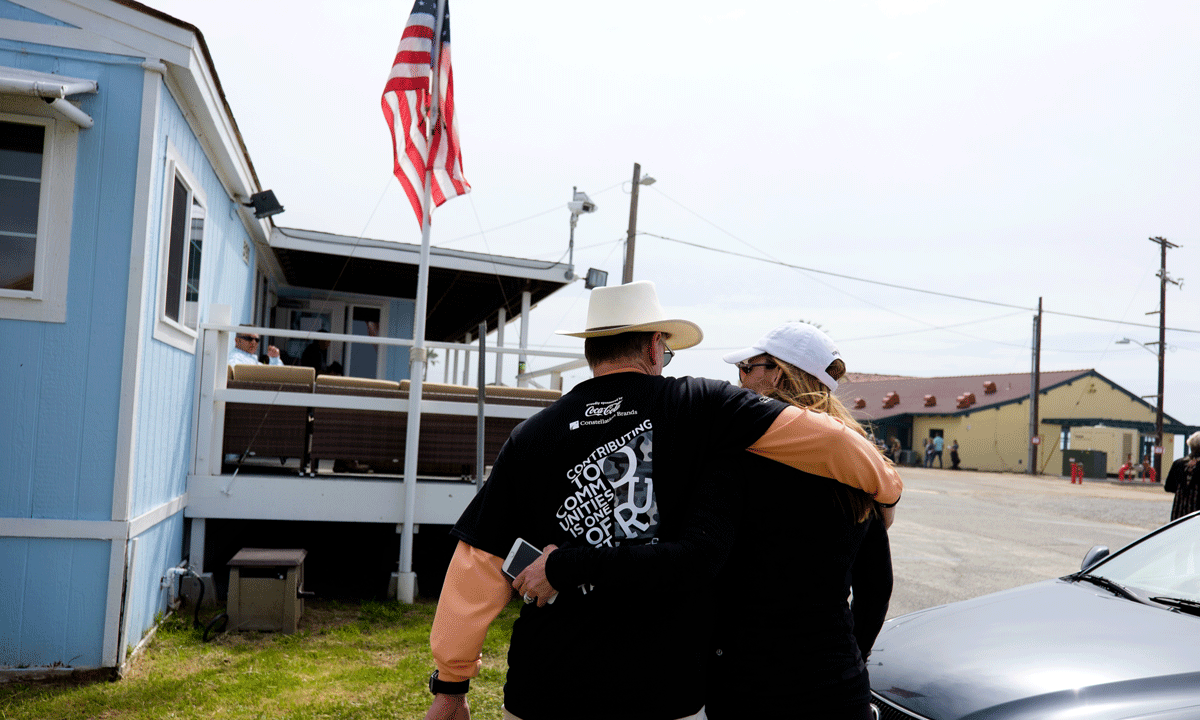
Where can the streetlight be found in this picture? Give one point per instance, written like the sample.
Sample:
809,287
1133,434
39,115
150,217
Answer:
1158,411
1126,341
638,181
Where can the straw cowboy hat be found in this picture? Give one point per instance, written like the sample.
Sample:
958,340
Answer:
634,307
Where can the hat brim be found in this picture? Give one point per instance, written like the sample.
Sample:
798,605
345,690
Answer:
738,356
683,334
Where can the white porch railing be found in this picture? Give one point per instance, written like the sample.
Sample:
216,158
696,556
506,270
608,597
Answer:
214,491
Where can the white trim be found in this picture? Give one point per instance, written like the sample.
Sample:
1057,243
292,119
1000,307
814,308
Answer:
47,302
69,529
109,27
171,332
91,529
59,36
125,615
156,516
136,302
258,497
112,610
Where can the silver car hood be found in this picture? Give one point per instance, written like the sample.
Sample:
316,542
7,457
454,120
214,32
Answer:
1053,649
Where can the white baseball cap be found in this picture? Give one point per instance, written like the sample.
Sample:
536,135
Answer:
798,344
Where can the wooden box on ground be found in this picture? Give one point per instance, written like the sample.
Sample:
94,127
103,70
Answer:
265,588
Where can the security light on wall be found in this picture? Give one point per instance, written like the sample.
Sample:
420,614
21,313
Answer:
264,203
595,278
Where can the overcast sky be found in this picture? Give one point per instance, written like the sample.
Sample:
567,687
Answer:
996,151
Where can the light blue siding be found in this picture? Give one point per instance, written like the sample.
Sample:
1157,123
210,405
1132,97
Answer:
158,548
60,384
52,601
12,11
63,379
167,384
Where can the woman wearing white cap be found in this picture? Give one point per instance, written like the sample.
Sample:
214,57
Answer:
820,538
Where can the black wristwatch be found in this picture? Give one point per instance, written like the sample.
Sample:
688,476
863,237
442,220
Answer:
441,687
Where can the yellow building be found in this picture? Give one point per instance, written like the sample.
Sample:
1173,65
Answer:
988,416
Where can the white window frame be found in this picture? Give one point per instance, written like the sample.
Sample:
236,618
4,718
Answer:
168,330
47,302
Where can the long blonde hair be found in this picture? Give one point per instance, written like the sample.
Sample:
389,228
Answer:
799,388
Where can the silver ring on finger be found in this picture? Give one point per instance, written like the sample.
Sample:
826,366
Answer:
529,599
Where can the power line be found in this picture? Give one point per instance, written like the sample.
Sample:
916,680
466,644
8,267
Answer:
906,287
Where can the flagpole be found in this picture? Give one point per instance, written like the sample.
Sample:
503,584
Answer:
406,586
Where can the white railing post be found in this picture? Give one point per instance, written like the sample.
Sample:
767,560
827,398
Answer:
521,359
501,319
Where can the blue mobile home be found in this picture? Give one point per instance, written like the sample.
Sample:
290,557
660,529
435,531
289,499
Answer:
124,178
128,254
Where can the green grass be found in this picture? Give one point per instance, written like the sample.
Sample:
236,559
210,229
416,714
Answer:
354,662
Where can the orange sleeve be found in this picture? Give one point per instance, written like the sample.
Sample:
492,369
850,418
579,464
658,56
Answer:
473,594
822,445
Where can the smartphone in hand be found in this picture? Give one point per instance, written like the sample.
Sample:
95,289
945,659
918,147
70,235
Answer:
519,558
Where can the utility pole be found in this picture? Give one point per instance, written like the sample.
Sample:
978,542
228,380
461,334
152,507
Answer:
1035,387
627,273
1162,350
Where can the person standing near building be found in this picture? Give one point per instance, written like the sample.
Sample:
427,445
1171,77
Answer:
939,443
605,479
954,455
1184,480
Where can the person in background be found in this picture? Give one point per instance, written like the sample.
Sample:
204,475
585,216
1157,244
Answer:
927,449
315,354
801,545
954,455
939,443
245,351
1184,480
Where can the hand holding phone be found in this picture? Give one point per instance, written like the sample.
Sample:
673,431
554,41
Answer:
525,564
519,557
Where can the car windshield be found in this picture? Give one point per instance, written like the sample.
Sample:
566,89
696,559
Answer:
1167,564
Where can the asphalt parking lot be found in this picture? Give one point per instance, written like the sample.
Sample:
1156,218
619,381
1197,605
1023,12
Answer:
960,534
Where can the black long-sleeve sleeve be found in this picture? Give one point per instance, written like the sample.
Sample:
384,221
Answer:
872,583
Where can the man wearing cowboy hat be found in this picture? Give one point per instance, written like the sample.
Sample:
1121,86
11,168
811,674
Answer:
616,481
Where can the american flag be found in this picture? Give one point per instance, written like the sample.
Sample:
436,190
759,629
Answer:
406,107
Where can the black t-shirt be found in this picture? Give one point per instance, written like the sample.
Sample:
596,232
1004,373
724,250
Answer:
800,550
620,462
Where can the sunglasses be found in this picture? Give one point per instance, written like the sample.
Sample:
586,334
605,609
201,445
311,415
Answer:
745,367
668,354
251,338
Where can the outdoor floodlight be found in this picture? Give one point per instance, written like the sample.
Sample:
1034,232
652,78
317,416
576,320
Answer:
595,278
264,203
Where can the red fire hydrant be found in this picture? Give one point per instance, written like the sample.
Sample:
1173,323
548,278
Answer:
1076,473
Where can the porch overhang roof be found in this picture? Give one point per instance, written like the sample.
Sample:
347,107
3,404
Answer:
465,288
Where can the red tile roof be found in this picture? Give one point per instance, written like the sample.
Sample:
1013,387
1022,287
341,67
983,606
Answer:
945,392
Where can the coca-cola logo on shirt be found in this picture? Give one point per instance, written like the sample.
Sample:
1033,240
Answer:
603,409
